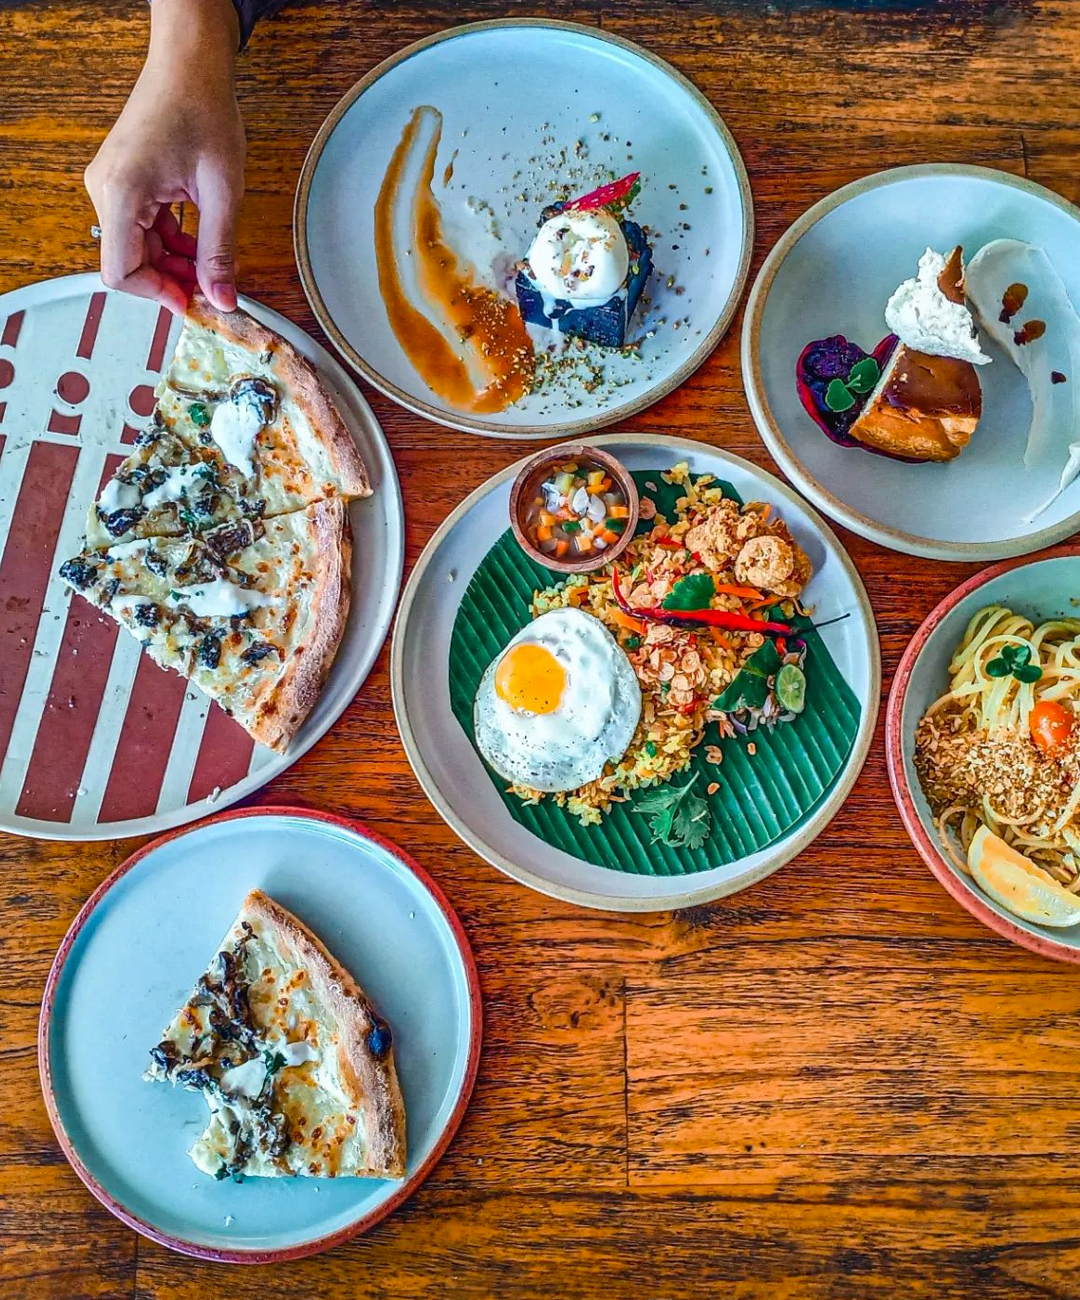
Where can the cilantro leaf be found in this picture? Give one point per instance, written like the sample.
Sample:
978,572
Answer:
678,817
692,592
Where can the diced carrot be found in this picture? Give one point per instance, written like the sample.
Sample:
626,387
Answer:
619,512
605,483
596,480
583,542
538,501
546,517
609,538
543,533
561,547
628,621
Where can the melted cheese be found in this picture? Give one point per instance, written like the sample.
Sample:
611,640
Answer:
234,426
179,483
218,599
118,496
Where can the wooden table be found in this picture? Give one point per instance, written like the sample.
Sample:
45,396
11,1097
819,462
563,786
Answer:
834,1084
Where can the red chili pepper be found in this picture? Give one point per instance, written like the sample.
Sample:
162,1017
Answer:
669,544
690,617
617,192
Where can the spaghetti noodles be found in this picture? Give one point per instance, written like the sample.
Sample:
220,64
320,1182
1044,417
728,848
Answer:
985,754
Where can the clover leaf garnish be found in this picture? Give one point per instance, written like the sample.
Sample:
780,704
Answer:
841,393
1014,660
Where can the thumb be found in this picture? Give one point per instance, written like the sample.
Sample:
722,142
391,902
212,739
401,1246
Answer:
215,261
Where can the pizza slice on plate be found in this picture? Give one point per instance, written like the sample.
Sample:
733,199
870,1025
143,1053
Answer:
294,1062
243,428
252,611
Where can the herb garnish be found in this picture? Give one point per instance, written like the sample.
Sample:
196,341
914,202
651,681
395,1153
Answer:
750,689
1014,659
200,416
273,1061
677,816
692,592
841,393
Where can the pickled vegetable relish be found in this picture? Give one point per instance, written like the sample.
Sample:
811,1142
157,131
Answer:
577,511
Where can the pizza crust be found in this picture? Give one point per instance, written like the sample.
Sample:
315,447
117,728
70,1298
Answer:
299,380
377,1090
276,721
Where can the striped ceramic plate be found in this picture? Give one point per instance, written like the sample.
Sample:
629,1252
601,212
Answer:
97,741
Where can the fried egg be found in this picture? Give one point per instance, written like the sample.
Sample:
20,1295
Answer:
558,704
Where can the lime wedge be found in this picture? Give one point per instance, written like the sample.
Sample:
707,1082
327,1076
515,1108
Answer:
791,688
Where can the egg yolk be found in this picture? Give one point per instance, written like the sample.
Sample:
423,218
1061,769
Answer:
529,677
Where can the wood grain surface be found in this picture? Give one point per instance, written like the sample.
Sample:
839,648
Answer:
835,1084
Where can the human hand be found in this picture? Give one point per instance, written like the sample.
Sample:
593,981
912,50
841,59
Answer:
179,138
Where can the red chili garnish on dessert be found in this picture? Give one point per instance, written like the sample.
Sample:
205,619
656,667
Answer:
617,193
690,617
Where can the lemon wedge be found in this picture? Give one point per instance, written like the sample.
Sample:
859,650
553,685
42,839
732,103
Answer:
1018,884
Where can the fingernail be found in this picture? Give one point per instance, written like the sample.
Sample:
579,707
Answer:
224,295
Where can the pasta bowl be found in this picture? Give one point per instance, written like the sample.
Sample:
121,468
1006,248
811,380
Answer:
1040,590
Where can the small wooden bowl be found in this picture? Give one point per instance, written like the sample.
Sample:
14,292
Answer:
538,469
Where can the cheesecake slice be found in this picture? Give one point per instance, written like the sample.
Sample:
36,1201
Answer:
924,407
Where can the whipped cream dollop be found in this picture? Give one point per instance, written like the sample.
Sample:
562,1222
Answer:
924,319
580,257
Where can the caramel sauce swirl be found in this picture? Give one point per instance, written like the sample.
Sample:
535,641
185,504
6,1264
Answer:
487,325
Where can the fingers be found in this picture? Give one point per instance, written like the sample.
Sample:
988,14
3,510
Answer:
215,261
132,248
173,238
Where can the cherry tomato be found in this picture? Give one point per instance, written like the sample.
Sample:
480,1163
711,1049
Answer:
1051,726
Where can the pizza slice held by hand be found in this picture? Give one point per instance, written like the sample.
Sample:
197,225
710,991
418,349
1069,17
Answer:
222,542
294,1062
252,612
243,428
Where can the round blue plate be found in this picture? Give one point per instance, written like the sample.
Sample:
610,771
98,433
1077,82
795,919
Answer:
131,958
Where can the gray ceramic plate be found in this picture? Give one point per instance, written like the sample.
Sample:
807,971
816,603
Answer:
832,273
513,95
131,958
450,770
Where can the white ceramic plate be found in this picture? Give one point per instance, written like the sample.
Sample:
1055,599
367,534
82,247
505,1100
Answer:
1041,589
131,958
450,770
832,273
512,95
97,741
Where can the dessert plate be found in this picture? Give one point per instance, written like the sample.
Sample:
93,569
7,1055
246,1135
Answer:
1040,589
132,956
526,104
455,779
96,740
832,273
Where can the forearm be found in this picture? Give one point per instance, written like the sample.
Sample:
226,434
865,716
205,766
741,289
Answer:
190,34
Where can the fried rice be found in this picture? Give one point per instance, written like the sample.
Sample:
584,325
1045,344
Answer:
682,670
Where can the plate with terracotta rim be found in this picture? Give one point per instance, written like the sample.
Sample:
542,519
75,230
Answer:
612,107
130,959
1042,589
832,272
96,740
449,768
